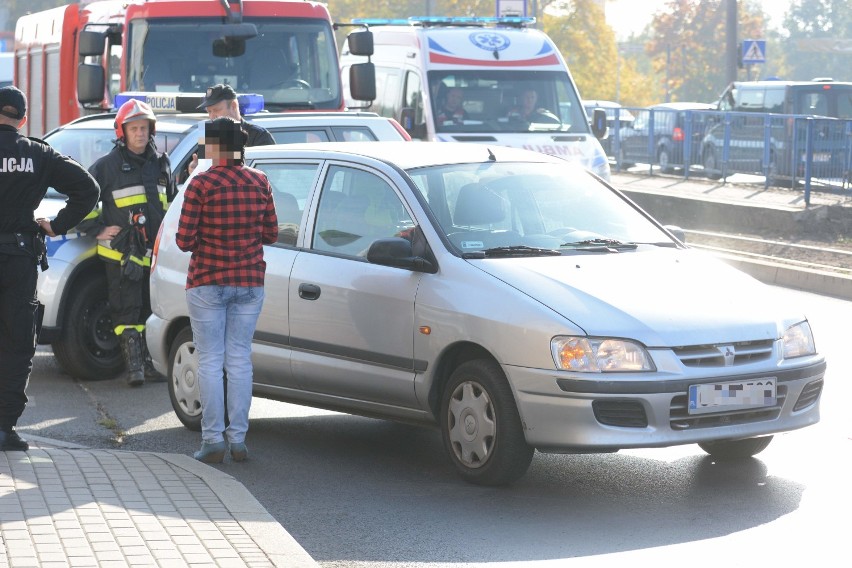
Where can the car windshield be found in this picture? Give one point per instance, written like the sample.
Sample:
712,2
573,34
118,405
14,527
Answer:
506,101
520,208
85,145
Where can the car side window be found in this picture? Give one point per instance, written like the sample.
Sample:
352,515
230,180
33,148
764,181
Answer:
291,184
294,136
357,207
353,134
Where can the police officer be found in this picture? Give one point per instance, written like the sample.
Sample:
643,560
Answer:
28,167
221,100
135,181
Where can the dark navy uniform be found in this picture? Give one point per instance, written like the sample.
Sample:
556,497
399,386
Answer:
28,166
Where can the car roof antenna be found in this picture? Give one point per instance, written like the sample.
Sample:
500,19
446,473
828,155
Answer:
491,156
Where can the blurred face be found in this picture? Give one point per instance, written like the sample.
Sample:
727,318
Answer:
136,135
528,101
230,109
455,98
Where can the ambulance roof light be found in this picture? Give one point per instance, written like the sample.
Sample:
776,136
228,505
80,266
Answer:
174,103
515,21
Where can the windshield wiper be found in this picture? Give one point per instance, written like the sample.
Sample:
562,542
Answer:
518,250
613,245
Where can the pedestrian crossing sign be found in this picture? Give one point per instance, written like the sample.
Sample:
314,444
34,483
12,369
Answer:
754,51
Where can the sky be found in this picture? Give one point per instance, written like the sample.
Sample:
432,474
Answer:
631,16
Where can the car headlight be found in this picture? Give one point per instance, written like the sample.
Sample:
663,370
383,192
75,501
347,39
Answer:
798,341
599,355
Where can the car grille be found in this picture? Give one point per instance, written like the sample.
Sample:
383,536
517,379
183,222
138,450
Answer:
680,419
714,355
809,395
624,413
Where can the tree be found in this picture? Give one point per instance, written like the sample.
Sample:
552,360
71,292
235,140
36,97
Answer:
819,34
688,46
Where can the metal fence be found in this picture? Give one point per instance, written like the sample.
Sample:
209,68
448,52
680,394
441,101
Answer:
786,150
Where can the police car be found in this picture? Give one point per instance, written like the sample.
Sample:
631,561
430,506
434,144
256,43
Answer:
76,316
510,298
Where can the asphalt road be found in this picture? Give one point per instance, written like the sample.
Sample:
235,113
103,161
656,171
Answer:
357,492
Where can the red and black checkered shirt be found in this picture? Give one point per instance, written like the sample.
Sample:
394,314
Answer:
228,214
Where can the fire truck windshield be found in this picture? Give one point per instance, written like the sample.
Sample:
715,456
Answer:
292,62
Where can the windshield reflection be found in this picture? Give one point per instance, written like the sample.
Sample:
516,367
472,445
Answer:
483,207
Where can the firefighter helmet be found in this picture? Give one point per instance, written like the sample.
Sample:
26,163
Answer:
133,110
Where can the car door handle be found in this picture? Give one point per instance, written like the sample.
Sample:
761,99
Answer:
309,291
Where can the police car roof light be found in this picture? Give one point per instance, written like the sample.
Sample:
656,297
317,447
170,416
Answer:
163,103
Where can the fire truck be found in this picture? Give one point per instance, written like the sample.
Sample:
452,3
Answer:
73,60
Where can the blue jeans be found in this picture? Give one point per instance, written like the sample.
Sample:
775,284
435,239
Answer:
223,321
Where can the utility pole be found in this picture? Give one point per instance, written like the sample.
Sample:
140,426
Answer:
732,56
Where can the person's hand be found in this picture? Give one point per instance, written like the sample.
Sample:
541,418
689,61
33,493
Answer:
108,233
45,226
193,163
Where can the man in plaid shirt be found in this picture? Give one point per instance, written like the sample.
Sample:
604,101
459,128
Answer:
228,214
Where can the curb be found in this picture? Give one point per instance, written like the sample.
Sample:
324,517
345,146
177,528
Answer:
816,281
279,546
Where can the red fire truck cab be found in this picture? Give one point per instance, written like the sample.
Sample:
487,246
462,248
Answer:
72,60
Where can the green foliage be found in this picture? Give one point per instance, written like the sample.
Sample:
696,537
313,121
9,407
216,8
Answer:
688,46
819,39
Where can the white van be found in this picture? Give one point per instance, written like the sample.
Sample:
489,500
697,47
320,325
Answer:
493,64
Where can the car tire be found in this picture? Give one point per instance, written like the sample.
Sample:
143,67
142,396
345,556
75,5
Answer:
736,449
183,380
664,160
622,161
481,427
711,166
88,349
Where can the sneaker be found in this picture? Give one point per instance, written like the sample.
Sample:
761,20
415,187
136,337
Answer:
11,442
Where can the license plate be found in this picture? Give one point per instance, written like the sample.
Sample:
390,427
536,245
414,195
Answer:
741,395
821,157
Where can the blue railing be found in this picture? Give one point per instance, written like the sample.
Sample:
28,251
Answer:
786,150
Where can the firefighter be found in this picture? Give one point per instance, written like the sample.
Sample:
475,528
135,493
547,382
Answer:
28,167
135,183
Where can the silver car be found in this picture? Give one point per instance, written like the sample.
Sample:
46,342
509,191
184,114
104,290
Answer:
510,298
76,316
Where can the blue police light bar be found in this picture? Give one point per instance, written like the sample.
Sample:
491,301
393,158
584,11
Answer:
164,103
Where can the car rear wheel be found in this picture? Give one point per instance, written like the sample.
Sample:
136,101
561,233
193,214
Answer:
736,449
88,349
481,427
183,380
664,160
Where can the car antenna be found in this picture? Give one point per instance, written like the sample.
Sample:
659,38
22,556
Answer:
491,156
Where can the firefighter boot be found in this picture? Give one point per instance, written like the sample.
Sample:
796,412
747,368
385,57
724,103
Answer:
131,346
151,374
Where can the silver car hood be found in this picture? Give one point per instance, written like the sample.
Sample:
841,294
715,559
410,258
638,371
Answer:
660,297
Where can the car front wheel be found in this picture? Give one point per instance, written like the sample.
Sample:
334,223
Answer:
711,166
481,427
736,449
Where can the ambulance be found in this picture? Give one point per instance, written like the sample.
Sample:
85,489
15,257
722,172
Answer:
493,65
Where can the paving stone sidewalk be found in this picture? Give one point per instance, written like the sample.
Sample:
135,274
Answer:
74,506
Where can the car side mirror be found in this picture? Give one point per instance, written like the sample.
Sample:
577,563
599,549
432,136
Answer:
599,123
677,232
397,252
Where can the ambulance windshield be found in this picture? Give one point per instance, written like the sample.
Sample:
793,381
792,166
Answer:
292,62
505,101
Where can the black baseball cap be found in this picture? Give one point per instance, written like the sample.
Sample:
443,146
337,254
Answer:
13,103
216,94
